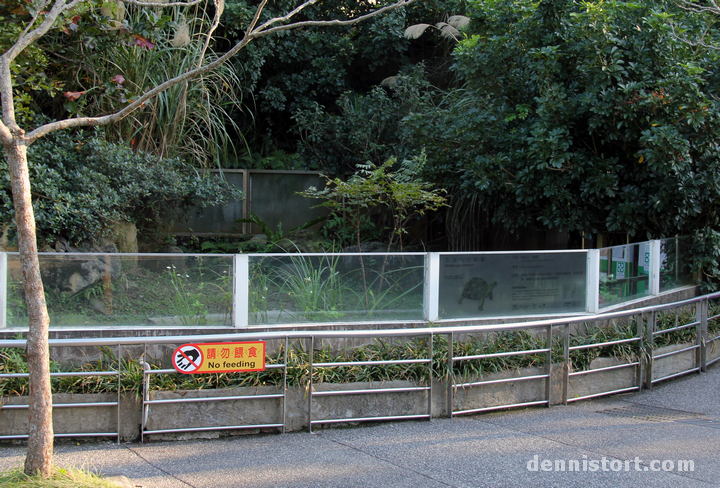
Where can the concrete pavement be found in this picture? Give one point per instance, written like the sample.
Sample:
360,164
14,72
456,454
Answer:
666,437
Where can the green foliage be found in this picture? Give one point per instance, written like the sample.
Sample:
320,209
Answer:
593,334
191,120
581,116
298,69
670,320
713,323
83,185
28,70
364,130
190,295
325,288
401,192
322,73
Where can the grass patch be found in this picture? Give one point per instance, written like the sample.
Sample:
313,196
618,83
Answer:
61,478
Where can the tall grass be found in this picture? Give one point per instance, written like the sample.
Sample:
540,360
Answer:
190,120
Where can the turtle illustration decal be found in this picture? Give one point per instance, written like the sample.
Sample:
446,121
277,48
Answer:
477,289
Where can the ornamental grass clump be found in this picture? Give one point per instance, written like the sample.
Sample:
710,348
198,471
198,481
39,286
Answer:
672,319
616,331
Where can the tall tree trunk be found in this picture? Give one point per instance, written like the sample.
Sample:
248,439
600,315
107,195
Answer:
40,428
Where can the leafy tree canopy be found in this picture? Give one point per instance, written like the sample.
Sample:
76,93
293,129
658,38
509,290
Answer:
310,68
582,116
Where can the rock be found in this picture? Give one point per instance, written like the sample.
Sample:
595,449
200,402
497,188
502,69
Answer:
5,242
125,237
62,245
75,273
306,241
91,271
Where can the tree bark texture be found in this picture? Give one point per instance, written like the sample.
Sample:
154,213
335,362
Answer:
39,458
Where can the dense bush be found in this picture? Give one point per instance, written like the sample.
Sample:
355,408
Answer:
589,118
83,185
365,130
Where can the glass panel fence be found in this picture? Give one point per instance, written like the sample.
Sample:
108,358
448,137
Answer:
624,273
288,289
128,289
499,284
95,289
675,267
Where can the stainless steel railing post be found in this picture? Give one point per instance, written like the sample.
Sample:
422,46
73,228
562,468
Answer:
701,310
450,376
310,383
566,363
430,370
548,362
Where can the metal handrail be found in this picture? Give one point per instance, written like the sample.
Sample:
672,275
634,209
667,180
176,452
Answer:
646,321
328,334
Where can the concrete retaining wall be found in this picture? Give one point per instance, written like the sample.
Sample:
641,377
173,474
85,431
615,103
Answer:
78,420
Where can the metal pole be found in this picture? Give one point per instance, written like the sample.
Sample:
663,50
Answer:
655,264
566,363
430,367
310,383
640,332
432,294
241,290
3,290
593,281
450,376
145,386
649,342
119,372
701,309
285,362
548,361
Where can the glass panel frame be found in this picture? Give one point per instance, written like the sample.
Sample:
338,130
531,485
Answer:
128,290
624,273
675,267
487,284
339,287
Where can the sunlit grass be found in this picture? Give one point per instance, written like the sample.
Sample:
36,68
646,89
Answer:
61,478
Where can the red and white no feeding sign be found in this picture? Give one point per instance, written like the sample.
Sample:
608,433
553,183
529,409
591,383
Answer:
219,357
187,358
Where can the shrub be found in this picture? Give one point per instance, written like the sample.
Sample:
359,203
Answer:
83,185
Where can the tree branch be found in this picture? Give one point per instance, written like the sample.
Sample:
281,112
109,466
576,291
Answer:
260,31
699,8
140,3
288,16
27,38
252,33
219,7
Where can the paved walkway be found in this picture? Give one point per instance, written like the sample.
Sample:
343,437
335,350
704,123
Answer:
634,440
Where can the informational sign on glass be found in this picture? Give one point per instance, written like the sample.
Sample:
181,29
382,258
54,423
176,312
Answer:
500,284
